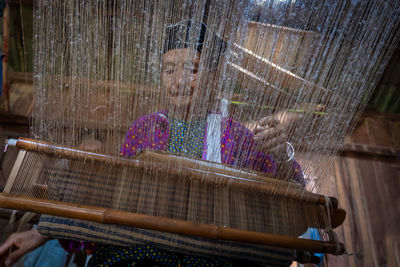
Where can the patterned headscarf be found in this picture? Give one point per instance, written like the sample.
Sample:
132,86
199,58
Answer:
183,33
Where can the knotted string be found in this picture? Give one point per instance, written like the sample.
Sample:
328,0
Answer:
329,229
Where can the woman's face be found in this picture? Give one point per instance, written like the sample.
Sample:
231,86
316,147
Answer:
179,76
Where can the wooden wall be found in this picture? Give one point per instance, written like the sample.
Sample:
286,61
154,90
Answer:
289,48
366,180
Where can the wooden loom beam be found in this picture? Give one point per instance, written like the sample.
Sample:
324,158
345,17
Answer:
253,180
109,216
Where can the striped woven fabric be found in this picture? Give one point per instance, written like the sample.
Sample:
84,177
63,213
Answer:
64,228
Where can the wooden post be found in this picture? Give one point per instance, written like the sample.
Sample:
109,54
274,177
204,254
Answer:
6,40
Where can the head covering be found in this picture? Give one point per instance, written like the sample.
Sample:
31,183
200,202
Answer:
178,35
191,34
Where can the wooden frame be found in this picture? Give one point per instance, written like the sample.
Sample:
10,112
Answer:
109,216
251,179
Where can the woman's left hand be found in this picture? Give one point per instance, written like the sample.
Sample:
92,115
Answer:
18,244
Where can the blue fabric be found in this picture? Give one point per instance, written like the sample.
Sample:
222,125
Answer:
312,233
51,254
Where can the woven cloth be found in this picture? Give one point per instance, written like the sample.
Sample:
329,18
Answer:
64,228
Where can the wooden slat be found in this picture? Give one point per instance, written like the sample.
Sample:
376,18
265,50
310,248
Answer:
371,150
342,197
14,171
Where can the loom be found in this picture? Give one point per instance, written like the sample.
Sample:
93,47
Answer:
97,69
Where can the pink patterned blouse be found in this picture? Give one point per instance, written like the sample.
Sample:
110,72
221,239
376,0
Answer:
237,144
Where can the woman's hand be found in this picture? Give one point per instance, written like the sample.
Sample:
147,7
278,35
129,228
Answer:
18,244
271,133
90,144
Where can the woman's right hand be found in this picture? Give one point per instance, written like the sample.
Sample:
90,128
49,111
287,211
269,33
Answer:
18,244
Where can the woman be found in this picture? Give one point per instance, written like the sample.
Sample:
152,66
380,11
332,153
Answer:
182,130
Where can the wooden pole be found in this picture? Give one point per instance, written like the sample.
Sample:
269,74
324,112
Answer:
195,169
6,40
108,216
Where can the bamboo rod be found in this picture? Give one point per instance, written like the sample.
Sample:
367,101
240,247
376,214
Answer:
108,216
290,81
73,153
99,84
195,169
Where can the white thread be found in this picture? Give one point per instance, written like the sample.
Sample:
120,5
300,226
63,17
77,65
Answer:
290,151
13,217
214,137
224,107
12,142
